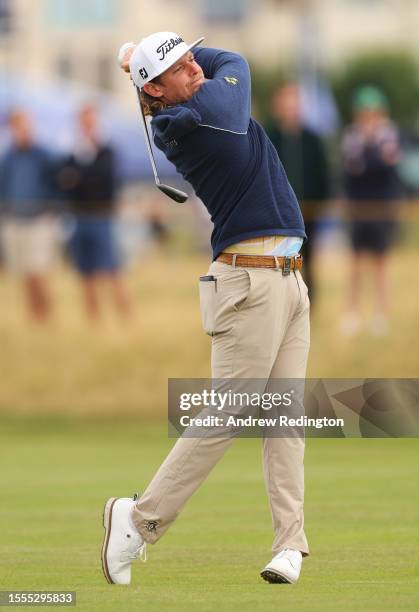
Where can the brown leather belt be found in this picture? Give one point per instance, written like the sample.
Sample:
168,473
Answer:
286,264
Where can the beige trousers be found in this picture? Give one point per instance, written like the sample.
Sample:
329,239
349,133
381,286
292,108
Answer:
259,323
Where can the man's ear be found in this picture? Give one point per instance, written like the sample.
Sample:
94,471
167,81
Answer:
153,90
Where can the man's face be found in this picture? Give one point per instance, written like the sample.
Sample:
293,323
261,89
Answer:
20,128
369,118
88,121
286,106
179,82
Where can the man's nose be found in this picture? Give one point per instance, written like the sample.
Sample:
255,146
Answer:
194,68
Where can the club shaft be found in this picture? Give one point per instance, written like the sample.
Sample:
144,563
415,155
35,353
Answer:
147,138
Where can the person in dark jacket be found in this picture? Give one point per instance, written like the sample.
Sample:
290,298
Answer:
89,179
370,154
303,154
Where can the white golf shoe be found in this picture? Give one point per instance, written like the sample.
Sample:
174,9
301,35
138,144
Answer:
122,543
285,567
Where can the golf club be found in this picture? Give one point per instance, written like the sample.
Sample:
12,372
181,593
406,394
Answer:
175,194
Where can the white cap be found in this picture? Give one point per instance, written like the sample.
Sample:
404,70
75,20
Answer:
155,54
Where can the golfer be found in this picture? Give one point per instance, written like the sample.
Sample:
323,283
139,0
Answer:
254,303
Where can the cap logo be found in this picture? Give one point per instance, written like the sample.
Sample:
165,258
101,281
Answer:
167,46
143,73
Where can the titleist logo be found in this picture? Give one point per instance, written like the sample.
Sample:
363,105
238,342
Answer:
167,46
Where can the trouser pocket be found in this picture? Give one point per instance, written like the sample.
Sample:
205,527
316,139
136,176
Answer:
207,300
221,298
303,291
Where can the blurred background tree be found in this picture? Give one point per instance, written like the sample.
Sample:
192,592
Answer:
393,71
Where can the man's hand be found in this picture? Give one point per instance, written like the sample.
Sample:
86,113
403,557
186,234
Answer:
124,55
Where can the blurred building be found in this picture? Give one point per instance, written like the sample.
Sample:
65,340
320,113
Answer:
78,39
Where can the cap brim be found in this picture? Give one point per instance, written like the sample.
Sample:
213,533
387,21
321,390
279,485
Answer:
192,46
196,43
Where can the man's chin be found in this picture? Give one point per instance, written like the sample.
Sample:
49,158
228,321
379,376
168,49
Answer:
193,89
197,86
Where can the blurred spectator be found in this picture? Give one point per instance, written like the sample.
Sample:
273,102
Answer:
156,217
370,150
88,177
29,230
303,156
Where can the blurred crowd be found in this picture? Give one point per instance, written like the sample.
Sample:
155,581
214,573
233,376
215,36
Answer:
367,182
38,189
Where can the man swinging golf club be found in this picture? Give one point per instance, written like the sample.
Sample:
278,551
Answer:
254,302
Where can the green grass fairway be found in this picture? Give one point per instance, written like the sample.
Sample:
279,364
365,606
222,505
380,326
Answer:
362,519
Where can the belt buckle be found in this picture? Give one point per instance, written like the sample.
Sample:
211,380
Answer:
286,268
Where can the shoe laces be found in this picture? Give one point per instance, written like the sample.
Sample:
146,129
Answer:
139,553
289,554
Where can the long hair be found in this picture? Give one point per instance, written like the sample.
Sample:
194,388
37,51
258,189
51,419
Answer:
150,104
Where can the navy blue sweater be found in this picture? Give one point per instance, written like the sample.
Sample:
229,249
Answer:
227,157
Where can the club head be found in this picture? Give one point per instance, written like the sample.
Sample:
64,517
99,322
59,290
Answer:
175,194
